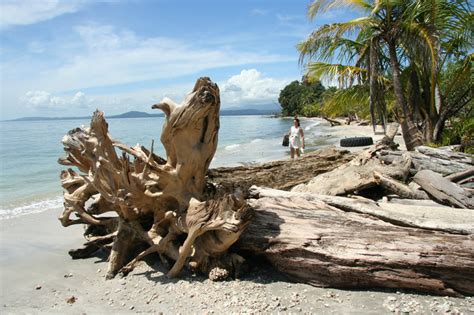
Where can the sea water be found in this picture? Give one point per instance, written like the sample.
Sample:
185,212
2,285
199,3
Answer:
29,150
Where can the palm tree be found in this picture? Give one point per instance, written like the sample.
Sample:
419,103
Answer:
447,28
396,40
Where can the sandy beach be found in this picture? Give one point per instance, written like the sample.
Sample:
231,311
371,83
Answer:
37,276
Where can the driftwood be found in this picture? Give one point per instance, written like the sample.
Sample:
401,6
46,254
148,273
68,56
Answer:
358,174
334,122
282,174
156,203
398,188
137,203
443,190
439,163
422,214
446,155
461,176
314,242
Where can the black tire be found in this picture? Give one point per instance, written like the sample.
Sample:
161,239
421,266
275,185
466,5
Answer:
356,141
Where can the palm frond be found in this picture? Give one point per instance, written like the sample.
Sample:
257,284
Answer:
348,101
335,72
324,48
320,6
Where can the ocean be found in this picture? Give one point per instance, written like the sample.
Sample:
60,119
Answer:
29,150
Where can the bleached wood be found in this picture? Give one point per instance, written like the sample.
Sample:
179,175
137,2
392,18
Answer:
317,243
443,190
152,196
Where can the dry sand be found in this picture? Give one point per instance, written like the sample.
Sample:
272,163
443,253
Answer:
345,131
38,276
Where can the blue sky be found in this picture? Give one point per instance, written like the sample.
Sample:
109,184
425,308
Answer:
67,58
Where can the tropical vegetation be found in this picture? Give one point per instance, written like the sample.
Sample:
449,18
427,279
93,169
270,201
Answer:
301,98
409,60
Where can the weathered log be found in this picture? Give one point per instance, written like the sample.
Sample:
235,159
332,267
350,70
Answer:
169,207
437,163
398,188
158,202
316,243
443,190
446,154
334,122
282,174
358,174
461,176
422,214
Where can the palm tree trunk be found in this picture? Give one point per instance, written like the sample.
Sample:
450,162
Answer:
377,99
410,132
372,87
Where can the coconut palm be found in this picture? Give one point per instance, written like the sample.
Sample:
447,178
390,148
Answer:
402,41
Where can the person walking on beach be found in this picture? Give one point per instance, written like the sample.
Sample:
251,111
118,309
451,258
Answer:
296,138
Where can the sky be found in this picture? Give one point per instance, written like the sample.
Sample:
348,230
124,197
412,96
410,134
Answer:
67,58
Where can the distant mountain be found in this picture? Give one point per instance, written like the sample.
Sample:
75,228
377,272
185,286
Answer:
247,111
136,114
131,114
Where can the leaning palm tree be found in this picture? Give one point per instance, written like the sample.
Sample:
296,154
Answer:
375,35
395,37
447,30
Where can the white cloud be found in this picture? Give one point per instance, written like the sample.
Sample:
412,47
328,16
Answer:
285,18
25,12
46,100
258,12
250,87
105,56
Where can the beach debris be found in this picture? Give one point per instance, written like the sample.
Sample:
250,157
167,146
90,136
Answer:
71,300
68,275
38,287
351,227
167,204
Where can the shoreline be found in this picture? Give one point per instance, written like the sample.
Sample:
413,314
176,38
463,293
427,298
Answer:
319,136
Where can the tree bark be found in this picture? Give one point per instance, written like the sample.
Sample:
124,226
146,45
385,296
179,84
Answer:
443,190
445,163
411,135
312,242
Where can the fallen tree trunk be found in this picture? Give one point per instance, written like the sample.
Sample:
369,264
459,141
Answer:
334,122
282,174
358,174
446,154
443,166
316,243
443,190
461,176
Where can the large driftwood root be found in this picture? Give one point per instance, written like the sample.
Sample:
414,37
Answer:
155,203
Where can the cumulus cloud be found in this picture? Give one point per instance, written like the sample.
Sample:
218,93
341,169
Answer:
27,12
250,87
46,100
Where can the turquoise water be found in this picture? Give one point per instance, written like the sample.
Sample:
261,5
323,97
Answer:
29,151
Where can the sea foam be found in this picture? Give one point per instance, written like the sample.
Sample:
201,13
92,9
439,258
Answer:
34,207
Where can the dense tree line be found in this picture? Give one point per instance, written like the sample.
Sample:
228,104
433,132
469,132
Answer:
301,98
